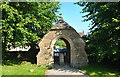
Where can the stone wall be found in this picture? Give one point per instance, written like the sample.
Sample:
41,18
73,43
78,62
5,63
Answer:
78,55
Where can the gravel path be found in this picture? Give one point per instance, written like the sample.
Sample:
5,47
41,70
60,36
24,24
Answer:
61,71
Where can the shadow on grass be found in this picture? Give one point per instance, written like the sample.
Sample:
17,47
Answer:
11,62
23,76
102,70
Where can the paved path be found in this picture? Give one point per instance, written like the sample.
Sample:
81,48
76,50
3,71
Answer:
63,71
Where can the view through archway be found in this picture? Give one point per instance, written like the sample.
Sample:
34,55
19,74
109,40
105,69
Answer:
62,52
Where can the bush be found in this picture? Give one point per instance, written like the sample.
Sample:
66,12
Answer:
49,66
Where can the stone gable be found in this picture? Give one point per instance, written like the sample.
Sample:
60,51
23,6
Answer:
77,56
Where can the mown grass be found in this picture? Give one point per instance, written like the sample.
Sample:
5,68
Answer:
23,69
0,70
101,70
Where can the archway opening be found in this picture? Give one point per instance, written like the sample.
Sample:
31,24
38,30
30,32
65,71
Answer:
62,52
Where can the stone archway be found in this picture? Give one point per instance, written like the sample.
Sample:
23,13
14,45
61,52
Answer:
69,44
78,56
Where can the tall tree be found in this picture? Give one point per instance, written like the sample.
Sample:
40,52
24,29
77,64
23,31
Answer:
24,23
104,34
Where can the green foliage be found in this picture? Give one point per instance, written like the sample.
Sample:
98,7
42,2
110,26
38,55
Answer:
24,23
60,43
101,70
48,66
104,36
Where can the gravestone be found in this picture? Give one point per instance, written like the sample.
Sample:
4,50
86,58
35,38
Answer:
61,59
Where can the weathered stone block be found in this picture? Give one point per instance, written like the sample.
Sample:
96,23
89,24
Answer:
77,56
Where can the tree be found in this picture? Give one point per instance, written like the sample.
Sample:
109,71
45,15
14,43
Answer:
104,34
24,23
60,43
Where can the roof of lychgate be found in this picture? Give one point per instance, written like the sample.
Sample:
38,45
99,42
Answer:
61,24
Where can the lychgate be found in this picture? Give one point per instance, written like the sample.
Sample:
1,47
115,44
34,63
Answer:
76,55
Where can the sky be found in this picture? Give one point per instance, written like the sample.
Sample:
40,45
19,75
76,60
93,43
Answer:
68,0
71,14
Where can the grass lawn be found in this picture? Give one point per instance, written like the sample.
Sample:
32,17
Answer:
26,68
100,70
0,70
23,69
